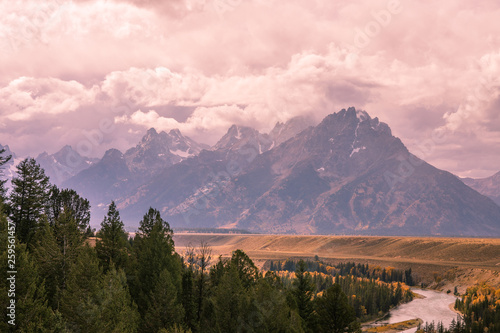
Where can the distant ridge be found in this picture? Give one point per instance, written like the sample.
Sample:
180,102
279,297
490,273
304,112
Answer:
489,186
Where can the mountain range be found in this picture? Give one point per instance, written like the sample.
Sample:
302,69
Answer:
9,169
64,164
346,175
489,186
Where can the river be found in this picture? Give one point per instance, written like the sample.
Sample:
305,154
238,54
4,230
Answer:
434,307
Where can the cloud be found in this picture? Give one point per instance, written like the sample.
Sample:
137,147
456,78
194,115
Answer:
206,124
26,97
201,65
158,86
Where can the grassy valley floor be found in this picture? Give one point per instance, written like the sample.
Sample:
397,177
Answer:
440,263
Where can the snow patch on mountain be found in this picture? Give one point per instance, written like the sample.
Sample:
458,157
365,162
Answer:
180,153
357,150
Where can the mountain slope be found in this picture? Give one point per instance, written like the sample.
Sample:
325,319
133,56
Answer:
346,175
159,150
10,169
489,186
182,187
117,174
64,164
285,131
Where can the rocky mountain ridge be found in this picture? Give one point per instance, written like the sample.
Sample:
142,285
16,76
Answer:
346,175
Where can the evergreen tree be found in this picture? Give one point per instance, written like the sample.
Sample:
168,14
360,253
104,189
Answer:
153,252
272,313
70,202
50,261
333,312
148,222
70,241
247,271
111,309
28,198
164,310
204,256
3,160
83,283
189,298
56,248
303,291
112,245
32,312
229,303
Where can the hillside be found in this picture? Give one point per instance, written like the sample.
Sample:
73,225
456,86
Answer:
461,261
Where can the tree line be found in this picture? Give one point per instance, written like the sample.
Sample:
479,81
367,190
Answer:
386,274
480,307
369,297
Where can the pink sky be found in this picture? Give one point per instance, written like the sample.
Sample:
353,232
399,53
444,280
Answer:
98,74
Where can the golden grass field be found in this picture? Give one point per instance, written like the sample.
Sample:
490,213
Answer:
443,262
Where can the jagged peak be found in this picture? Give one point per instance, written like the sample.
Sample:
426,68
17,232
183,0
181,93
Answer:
281,132
238,130
112,154
175,132
42,155
66,148
278,124
8,151
233,129
63,151
150,135
235,134
152,131
360,117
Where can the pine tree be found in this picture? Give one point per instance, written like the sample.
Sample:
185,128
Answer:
333,312
3,160
303,291
28,198
164,310
273,313
70,241
111,309
247,271
204,256
49,257
83,282
189,298
229,303
153,252
56,248
148,222
33,314
70,202
112,245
